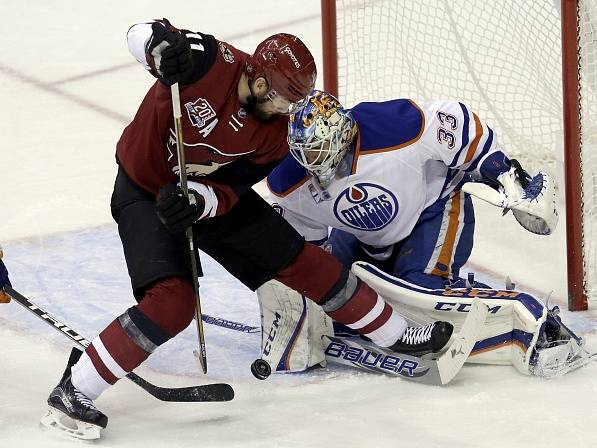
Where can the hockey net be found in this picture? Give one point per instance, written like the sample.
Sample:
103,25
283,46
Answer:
503,59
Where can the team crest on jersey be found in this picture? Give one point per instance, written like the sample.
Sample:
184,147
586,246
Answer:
200,112
226,53
366,206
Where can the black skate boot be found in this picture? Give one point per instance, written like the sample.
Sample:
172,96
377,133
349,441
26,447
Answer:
70,410
418,341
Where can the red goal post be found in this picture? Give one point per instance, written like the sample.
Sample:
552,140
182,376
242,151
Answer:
529,67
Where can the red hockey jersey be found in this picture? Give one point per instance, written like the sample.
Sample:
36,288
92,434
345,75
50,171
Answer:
217,131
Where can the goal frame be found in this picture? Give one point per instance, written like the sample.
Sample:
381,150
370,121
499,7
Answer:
577,295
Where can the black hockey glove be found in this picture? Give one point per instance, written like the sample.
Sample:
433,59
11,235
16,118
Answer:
175,210
169,54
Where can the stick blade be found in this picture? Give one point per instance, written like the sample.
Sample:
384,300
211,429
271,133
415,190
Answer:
204,393
452,360
201,393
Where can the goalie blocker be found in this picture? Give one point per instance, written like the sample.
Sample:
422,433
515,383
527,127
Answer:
519,329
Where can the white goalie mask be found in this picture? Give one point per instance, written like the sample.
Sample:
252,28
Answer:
320,131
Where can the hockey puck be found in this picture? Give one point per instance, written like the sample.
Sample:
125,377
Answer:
260,369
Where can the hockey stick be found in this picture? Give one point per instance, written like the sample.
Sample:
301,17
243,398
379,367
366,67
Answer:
205,392
436,372
182,172
230,324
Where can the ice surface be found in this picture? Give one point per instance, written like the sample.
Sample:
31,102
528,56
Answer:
68,87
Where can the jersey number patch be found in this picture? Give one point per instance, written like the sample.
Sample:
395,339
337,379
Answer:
444,132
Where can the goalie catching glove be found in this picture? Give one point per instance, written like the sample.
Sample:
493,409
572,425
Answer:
531,199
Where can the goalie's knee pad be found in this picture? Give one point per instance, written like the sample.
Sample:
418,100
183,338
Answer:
292,327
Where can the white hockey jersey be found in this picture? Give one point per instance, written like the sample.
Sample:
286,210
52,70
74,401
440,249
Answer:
407,155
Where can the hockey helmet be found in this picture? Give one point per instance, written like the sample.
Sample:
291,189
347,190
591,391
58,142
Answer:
320,131
286,64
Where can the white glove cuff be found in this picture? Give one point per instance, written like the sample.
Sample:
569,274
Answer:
210,197
137,37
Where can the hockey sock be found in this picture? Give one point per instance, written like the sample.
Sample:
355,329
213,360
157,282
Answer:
368,313
322,278
166,309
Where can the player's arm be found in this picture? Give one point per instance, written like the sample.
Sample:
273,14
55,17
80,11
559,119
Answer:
209,196
171,54
459,138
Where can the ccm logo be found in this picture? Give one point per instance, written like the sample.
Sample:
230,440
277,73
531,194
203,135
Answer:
461,307
267,347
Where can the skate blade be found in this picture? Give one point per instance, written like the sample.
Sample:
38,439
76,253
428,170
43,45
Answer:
56,420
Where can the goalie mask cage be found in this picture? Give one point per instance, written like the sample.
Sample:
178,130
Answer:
528,67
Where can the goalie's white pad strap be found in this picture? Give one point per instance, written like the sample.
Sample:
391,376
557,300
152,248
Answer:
511,329
292,327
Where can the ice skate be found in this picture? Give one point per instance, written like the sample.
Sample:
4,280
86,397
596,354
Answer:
73,413
419,341
70,410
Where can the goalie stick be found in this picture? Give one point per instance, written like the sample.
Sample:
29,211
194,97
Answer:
201,393
437,372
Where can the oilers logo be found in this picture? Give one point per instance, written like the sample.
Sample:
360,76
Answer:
366,206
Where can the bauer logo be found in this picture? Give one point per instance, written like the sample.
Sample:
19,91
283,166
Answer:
370,360
366,206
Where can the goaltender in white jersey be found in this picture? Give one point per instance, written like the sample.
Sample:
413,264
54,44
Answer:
390,184
391,173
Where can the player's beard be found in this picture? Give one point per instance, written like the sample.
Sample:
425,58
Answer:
254,107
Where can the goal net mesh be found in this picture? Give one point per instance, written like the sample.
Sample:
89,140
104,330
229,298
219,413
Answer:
502,59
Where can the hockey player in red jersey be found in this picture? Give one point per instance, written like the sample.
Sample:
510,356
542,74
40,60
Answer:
235,109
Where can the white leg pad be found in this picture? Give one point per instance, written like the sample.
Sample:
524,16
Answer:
511,329
292,327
